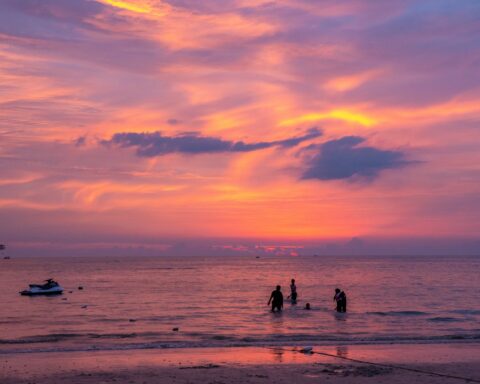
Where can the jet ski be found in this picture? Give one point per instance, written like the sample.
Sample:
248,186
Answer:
51,287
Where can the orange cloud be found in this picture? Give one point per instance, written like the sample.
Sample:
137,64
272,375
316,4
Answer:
454,108
347,83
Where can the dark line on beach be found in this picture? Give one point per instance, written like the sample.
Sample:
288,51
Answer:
383,365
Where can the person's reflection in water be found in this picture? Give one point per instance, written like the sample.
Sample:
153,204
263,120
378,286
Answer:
340,316
277,355
342,351
277,331
277,325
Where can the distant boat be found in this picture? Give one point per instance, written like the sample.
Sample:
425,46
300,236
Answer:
6,258
51,287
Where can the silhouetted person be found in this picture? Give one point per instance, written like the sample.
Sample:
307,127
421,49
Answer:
341,299
293,292
307,306
276,298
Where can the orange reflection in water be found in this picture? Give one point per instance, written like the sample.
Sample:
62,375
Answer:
342,351
277,354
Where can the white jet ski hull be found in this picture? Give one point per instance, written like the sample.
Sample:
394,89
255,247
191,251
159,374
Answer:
36,291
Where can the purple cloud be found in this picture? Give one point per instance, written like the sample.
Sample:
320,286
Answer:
156,144
343,159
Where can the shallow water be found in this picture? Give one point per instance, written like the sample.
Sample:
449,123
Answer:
136,302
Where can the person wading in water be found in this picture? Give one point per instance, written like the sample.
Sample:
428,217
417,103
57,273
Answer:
293,294
341,299
276,298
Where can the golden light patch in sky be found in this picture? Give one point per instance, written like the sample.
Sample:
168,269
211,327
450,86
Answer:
335,114
138,6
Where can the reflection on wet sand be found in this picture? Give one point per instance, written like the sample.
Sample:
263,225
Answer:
277,354
342,351
277,328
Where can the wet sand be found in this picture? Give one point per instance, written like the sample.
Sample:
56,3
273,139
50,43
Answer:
393,364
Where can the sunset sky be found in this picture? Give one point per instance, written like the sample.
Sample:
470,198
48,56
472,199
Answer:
240,126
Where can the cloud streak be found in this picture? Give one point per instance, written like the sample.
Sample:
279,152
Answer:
156,144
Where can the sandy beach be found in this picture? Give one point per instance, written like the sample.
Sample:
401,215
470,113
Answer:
380,364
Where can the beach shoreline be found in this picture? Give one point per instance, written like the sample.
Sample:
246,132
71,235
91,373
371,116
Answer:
425,363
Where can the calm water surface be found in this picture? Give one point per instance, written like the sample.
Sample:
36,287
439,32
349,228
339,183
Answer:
136,302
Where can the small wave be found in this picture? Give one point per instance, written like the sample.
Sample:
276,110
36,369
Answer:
112,335
444,319
59,337
65,340
466,311
51,338
165,269
110,320
399,313
222,337
252,342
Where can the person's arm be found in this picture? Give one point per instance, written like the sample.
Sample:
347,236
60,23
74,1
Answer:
269,300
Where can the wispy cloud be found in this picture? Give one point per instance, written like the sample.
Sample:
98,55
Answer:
156,144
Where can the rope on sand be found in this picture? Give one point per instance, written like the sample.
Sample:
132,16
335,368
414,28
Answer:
383,365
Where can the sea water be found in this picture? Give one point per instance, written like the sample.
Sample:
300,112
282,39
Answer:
137,302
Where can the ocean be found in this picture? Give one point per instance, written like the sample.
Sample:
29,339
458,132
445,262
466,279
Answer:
135,303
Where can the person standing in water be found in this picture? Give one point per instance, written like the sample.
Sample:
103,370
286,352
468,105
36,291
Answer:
276,298
341,299
293,290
